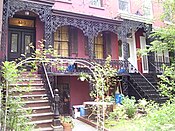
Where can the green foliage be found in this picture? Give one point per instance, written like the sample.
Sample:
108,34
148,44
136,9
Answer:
167,82
129,106
169,10
16,116
164,40
9,71
12,115
118,114
161,119
102,78
67,119
156,118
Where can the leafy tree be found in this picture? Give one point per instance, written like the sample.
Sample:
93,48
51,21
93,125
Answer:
164,40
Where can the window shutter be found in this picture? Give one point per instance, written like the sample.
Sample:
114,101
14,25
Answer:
86,45
108,44
74,40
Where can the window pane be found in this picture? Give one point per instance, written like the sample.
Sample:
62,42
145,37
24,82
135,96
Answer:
61,41
21,22
123,5
96,3
98,45
128,50
14,43
27,40
120,48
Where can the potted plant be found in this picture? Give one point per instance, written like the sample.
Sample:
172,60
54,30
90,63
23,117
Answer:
83,76
67,123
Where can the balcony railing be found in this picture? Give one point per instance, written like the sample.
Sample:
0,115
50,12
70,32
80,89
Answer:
74,66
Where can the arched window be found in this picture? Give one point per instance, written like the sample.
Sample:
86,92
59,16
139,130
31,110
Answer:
66,41
61,41
120,48
98,45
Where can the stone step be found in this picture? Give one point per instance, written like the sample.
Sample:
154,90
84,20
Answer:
37,82
33,97
30,79
30,74
40,109
42,123
44,129
36,103
27,84
151,91
40,116
34,91
153,95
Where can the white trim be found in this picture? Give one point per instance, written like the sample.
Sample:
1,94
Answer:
129,8
133,53
145,67
135,17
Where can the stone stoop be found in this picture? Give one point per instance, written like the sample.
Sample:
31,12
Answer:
35,99
146,90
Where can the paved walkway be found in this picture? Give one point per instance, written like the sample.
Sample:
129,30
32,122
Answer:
81,126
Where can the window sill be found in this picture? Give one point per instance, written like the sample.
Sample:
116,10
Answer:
64,1
97,7
168,22
124,12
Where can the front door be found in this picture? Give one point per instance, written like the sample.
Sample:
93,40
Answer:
144,57
21,43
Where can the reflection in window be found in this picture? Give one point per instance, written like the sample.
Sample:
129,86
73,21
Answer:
147,8
61,41
14,43
97,3
128,50
27,43
98,44
120,48
124,5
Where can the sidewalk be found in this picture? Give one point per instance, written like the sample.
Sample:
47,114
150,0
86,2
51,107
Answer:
81,126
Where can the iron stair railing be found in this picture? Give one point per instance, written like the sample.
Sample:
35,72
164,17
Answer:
149,83
47,83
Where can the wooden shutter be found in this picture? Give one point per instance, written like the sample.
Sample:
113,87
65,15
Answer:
107,44
86,45
74,40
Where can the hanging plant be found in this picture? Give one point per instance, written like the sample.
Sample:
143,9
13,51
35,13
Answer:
83,76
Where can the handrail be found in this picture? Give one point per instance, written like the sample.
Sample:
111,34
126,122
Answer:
144,77
135,89
155,67
48,81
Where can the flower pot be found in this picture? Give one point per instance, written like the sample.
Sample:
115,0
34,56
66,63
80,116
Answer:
82,78
67,126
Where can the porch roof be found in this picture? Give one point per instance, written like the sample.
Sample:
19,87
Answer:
114,21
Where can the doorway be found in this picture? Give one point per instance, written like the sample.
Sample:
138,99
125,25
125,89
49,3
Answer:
64,93
21,43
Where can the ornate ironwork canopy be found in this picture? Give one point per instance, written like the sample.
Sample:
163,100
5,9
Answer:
90,25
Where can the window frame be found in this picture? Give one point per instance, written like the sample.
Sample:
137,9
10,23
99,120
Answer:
60,41
150,8
96,4
123,11
96,43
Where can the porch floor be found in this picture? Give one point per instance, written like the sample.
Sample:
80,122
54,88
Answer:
79,126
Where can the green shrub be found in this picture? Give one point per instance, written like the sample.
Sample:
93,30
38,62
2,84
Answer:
129,106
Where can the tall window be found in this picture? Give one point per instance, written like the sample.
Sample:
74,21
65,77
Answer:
98,44
147,8
66,41
124,5
61,41
107,44
120,48
98,3
162,57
